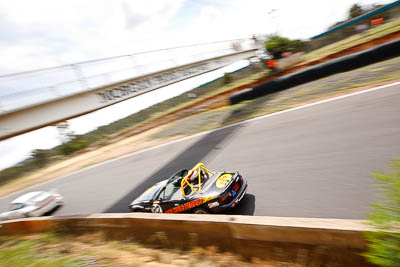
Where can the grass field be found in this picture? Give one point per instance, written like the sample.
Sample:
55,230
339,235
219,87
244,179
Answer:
368,35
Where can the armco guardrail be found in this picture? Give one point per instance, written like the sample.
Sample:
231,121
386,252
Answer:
304,241
369,56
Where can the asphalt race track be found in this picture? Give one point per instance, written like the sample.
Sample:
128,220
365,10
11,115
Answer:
310,162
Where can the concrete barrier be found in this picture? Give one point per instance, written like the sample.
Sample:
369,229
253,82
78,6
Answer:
303,241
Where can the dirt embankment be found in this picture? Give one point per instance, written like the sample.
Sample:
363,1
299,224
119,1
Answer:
222,99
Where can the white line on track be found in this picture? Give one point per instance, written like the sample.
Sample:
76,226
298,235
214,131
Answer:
217,129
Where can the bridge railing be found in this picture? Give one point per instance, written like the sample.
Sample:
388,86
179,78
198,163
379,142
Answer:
20,90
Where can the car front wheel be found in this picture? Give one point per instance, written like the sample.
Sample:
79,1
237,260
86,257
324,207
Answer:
156,209
201,211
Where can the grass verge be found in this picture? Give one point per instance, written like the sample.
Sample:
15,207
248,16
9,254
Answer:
49,249
356,39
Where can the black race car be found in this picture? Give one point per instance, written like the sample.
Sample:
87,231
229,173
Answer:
197,191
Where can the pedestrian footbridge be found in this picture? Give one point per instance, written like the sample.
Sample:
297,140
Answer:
34,99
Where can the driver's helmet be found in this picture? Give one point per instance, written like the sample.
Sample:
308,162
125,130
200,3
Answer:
194,178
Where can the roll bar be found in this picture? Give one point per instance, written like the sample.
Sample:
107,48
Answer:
198,168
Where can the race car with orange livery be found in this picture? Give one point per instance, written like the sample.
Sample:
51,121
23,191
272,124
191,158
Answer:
198,191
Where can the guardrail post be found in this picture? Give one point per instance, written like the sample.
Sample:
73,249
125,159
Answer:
172,57
132,57
106,77
80,77
54,90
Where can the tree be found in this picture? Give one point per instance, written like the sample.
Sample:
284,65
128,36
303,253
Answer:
73,146
64,132
355,11
276,45
227,78
40,157
384,243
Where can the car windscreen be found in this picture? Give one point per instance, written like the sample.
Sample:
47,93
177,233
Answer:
16,206
42,196
170,192
148,194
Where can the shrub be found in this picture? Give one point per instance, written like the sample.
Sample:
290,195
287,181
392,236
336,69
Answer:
41,157
276,45
384,243
73,146
227,78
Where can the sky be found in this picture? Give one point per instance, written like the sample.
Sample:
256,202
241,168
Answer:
45,33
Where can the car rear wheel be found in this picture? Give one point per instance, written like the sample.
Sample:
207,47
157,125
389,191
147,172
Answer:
201,211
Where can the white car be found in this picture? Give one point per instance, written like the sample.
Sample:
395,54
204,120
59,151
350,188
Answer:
33,204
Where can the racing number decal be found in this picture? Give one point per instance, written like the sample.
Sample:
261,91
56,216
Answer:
189,205
223,180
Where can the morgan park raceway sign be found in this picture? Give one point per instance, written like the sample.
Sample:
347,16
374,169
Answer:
151,82
62,108
143,85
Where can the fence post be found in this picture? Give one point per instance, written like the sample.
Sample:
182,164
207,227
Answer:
80,77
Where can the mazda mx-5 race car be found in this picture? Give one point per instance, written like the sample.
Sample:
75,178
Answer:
33,204
196,191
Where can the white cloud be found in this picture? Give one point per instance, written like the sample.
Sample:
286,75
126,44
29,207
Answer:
209,15
45,33
18,148
295,19
153,15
